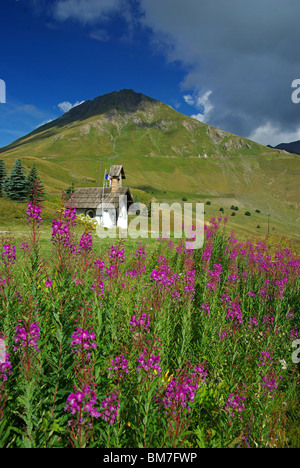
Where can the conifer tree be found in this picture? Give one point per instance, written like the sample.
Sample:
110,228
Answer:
36,191
2,175
15,186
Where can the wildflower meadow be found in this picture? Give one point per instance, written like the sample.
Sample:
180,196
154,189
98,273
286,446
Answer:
151,346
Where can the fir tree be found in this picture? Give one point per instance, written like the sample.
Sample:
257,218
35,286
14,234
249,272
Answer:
2,175
15,186
36,191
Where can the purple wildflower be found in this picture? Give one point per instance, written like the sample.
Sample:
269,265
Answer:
142,321
27,335
9,254
110,406
48,283
205,309
119,364
235,404
86,243
2,281
180,392
117,255
84,400
234,312
147,362
265,359
34,213
82,340
270,384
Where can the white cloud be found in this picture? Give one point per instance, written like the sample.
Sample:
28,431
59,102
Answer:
65,106
202,103
189,99
85,11
271,135
200,117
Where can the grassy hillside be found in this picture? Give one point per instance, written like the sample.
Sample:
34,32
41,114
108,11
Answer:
163,154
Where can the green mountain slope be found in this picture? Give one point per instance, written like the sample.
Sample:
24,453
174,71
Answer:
166,155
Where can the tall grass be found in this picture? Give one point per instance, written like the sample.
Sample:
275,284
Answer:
135,347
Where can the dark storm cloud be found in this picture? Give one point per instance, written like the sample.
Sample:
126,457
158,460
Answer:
246,53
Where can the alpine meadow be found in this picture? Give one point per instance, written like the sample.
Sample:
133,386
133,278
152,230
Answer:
149,227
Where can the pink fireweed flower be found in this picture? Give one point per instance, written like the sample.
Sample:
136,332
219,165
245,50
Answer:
140,253
83,340
293,334
181,391
141,322
135,272
34,214
98,288
189,281
70,216
99,264
48,283
234,312
225,298
253,321
117,255
222,334
5,369
149,362
27,335
265,359
205,309
60,232
235,404
268,320
270,384
2,281
111,406
119,366
83,401
86,243
9,254
207,253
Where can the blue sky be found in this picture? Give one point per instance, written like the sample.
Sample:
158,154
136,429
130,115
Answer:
228,63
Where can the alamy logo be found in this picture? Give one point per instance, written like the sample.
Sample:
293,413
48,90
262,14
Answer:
162,220
296,93
2,92
296,353
2,351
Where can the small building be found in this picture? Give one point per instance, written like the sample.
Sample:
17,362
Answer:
108,205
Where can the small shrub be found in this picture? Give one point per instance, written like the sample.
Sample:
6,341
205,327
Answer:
233,213
184,199
247,213
208,203
221,209
257,211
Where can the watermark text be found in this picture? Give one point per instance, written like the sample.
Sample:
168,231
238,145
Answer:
296,93
2,92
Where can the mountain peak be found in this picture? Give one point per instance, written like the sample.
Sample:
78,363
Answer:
124,100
